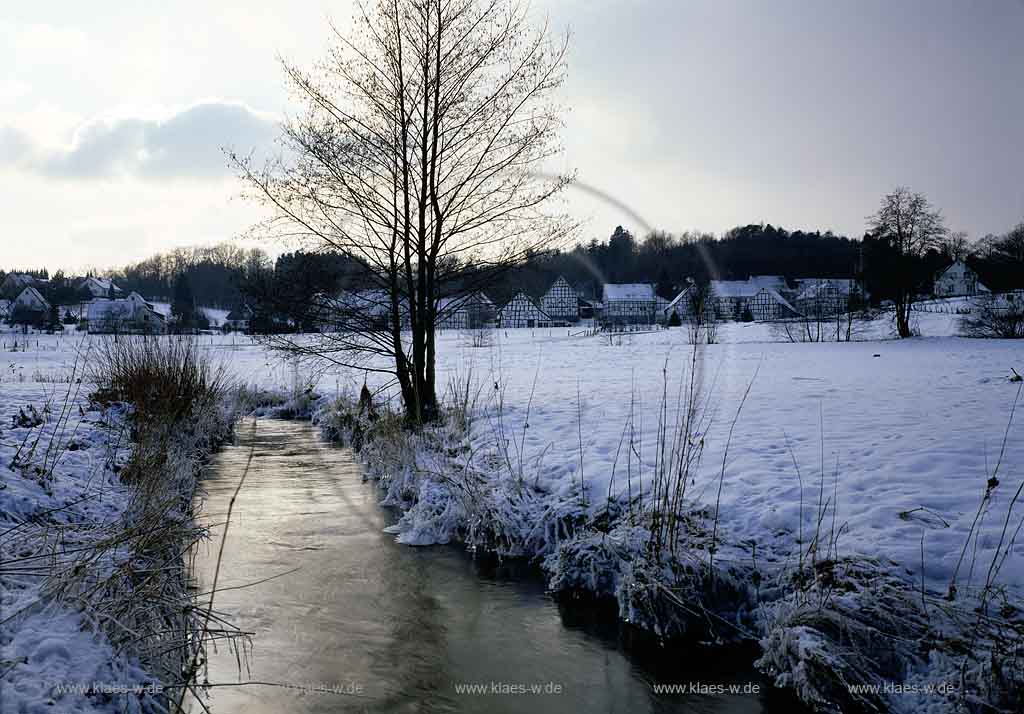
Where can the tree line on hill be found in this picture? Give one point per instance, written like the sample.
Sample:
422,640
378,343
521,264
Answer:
228,276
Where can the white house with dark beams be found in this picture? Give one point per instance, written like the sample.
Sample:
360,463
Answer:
733,298
98,287
630,304
561,301
29,306
522,311
465,312
957,280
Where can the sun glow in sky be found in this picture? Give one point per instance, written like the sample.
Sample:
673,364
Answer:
696,115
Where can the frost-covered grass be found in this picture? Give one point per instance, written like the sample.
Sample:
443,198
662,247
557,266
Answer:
96,522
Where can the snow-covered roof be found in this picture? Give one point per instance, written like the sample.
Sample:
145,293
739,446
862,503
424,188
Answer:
103,310
98,286
811,288
19,279
956,264
520,297
240,312
119,308
747,288
557,281
734,288
373,303
31,295
628,291
458,302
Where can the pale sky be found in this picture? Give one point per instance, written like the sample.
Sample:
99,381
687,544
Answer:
696,114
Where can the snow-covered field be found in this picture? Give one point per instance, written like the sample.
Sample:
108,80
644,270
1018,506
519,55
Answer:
900,436
910,430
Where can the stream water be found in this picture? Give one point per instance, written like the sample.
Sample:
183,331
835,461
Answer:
397,629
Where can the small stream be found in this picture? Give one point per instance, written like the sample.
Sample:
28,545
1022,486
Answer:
400,629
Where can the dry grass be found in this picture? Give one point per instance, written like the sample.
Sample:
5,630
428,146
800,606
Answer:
165,379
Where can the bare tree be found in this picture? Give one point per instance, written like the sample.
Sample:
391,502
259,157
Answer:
908,221
1009,247
418,154
956,246
701,317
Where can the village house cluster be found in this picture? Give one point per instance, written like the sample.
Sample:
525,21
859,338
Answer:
98,305
758,298
94,304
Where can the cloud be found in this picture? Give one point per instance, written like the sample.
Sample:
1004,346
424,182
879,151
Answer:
188,144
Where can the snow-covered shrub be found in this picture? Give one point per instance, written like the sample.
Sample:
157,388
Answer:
592,563
163,378
999,316
840,632
851,635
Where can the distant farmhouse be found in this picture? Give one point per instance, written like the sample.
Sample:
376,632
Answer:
522,311
760,297
98,287
30,307
958,280
125,315
240,319
356,310
770,297
14,283
824,297
561,302
465,312
630,304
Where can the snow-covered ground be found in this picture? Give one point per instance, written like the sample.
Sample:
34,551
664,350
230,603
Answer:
56,459
215,315
74,636
899,436
909,430
912,427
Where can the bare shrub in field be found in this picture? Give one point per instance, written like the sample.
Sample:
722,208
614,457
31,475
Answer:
1000,316
164,378
479,337
701,318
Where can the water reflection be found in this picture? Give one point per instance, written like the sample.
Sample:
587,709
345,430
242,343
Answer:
404,628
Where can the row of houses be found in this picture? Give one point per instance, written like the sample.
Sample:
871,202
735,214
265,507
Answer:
761,297
620,304
771,297
128,314
106,309
87,287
